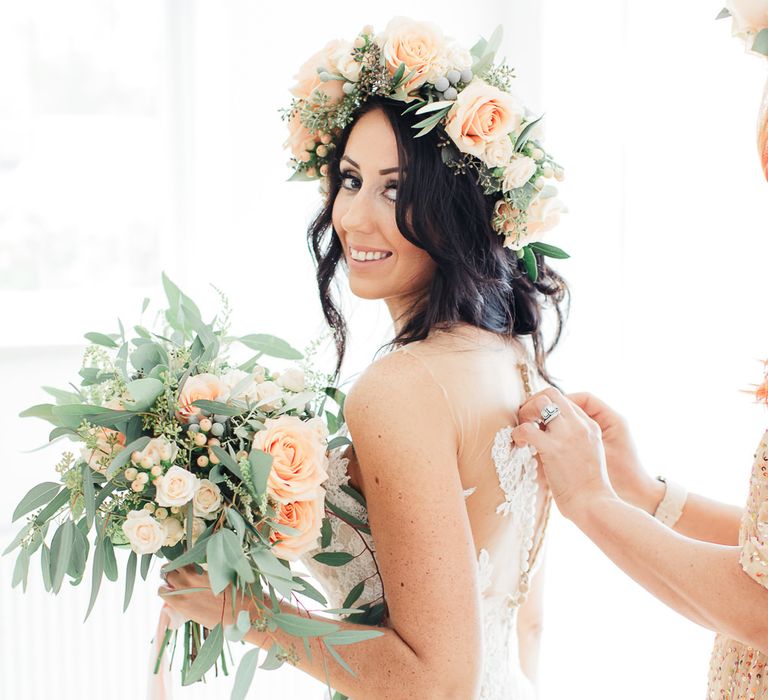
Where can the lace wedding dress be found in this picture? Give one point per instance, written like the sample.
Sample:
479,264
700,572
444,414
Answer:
510,511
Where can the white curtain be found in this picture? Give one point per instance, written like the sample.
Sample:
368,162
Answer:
144,136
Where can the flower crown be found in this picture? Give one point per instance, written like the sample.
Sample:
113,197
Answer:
488,131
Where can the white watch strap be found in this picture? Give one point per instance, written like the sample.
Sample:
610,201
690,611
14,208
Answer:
671,506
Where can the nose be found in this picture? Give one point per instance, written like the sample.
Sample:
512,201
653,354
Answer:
358,216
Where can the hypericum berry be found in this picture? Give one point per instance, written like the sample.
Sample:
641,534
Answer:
205,425
150,507
546,171
537,154
311,172
322,150
137,486
131,473
559,174
453,76
200,439
174,509
202,461
214,441
146,462
161,513
214,459
157,470
193,418
442,83
450,94
324,169
143,477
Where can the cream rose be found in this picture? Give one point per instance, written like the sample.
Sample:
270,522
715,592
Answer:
299,463
482,113
319,426
174,531
176,487
246,390
145,534
292,379
308,79
343,62
519,170
158,449
269,390
200,386
207,499
498,153
306,516
421,46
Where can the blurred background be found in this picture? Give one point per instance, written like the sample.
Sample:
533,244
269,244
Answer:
144,135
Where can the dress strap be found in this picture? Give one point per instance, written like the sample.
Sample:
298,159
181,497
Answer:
522,367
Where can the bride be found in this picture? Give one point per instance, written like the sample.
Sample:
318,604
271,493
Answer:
450,517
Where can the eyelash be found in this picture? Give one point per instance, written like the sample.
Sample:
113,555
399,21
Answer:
347,174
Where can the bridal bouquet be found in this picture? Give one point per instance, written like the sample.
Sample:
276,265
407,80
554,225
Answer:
191,459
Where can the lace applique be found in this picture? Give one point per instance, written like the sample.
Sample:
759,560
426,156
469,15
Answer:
484,570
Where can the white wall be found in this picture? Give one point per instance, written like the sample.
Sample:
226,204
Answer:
144,136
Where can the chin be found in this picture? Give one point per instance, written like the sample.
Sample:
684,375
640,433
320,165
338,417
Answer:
367,291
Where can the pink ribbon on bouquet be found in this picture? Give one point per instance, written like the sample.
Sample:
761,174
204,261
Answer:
159,686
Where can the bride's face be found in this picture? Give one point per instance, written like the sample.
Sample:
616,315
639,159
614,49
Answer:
364,216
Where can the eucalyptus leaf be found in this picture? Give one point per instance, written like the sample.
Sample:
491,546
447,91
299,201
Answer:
220,573
433,106
61,551
303,626
20,535
326,532
548,250
194,555
97,572
270,345
228,461
338,658
36,497
244,676
525,134
101,339
339,441
333,558
146,560
45,566
351,636
272,662
237,522
89,495
130,579
63,397
760,44
261,466
147,356
110,563
79,558
144,393
20,570
53,507
207,655
220,408
725,12
354,595
310,591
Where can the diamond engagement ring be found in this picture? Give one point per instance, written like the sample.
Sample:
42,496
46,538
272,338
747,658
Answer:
549,413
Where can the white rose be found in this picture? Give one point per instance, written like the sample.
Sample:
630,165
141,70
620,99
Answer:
543,214
292,379
237,379
174,531
748,16
518,172
269,390
176,487
159,449
207,499
198,528
458,57
342,60
145,534
318,425
498,153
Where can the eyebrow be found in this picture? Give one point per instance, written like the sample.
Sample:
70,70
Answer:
386,171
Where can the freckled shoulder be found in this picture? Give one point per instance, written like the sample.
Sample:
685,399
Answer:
396,388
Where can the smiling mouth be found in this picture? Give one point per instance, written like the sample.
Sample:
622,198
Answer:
368,255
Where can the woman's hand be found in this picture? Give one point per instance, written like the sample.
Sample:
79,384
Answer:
630,481
570,451
200,606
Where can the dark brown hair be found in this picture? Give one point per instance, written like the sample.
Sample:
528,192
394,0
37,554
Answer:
476,281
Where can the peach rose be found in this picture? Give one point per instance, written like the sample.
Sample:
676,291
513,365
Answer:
482,113
176,487
306,516
298,137
308,79
200,386
145,534
420,45
108,443
299,463
748,16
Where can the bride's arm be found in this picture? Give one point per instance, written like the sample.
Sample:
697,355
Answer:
405,443
702,518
